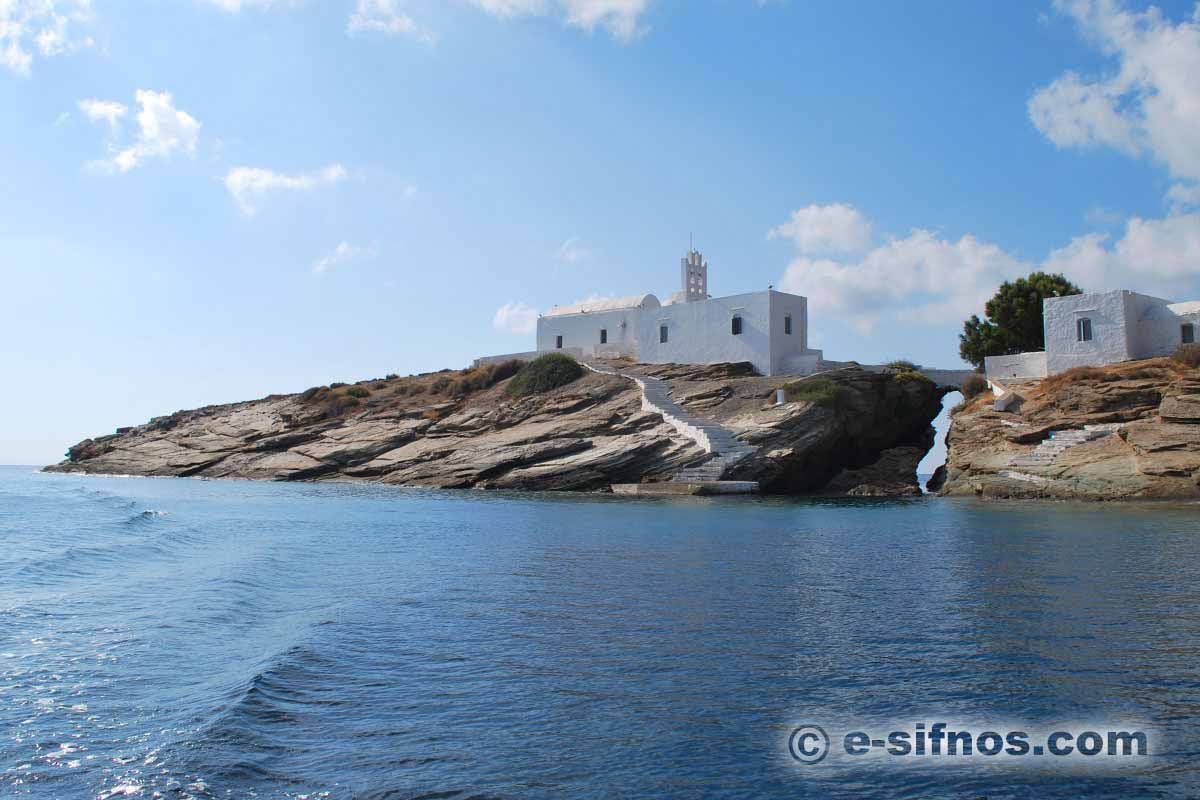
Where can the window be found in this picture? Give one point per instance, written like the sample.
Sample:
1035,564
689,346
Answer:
604,336
662,334
558,342
1083,329
1187,333
787,325
737,326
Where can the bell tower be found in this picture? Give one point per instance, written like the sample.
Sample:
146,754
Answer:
694,274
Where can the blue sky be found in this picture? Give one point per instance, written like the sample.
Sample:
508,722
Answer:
213,200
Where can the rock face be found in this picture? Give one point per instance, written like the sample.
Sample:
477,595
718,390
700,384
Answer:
1124,431
421,431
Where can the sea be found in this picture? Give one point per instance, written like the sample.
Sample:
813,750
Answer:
174,638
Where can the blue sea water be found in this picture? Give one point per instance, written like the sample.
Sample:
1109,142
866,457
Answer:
194,639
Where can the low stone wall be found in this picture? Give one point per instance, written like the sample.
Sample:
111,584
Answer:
802,363
1021,366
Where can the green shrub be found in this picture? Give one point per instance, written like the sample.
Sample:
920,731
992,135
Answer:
819,391
337,385
543,374
391,376
973,386
339,405
309,394
902,365
358,391
1188,355
505,370
440,384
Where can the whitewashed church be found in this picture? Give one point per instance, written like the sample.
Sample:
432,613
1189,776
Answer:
768,328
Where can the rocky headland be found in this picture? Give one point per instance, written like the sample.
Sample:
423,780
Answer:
851,432
1125,431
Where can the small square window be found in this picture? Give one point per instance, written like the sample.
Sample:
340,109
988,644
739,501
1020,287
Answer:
558,342
662,334
1187,333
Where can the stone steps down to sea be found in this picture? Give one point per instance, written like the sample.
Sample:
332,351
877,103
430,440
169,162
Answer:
1061,441
436,430
713,438
1128,430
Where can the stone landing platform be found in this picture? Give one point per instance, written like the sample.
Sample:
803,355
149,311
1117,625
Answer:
702,488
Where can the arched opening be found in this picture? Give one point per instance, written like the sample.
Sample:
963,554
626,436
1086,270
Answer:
936,457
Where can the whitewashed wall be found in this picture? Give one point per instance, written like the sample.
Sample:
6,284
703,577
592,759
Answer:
1158,329
583,331
1021,366
1110,343
701,332
789,353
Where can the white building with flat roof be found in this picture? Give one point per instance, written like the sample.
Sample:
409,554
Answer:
769,328
1092,330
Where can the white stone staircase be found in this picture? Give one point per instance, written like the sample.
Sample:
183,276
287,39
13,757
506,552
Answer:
713,438
1047,451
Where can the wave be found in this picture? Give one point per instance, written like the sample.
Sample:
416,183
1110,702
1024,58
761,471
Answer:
146,516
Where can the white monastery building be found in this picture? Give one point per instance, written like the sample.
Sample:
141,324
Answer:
769,329
1091,330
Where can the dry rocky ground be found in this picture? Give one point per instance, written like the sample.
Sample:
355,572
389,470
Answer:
429,431
1154,453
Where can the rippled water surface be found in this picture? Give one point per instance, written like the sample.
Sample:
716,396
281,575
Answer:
236,639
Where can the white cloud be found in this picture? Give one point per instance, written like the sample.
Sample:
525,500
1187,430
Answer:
385,17
109,111
516,318
163,130
249,185
1148,105
46,26
622,18
342,254
926,278
1184,195
1156,256
234,6
836,228
572,251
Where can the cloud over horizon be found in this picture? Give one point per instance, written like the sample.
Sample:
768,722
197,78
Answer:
621,18
1147,106
249,186
344,253
572,251
45,26
163,130
517,318
384,17
925,278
